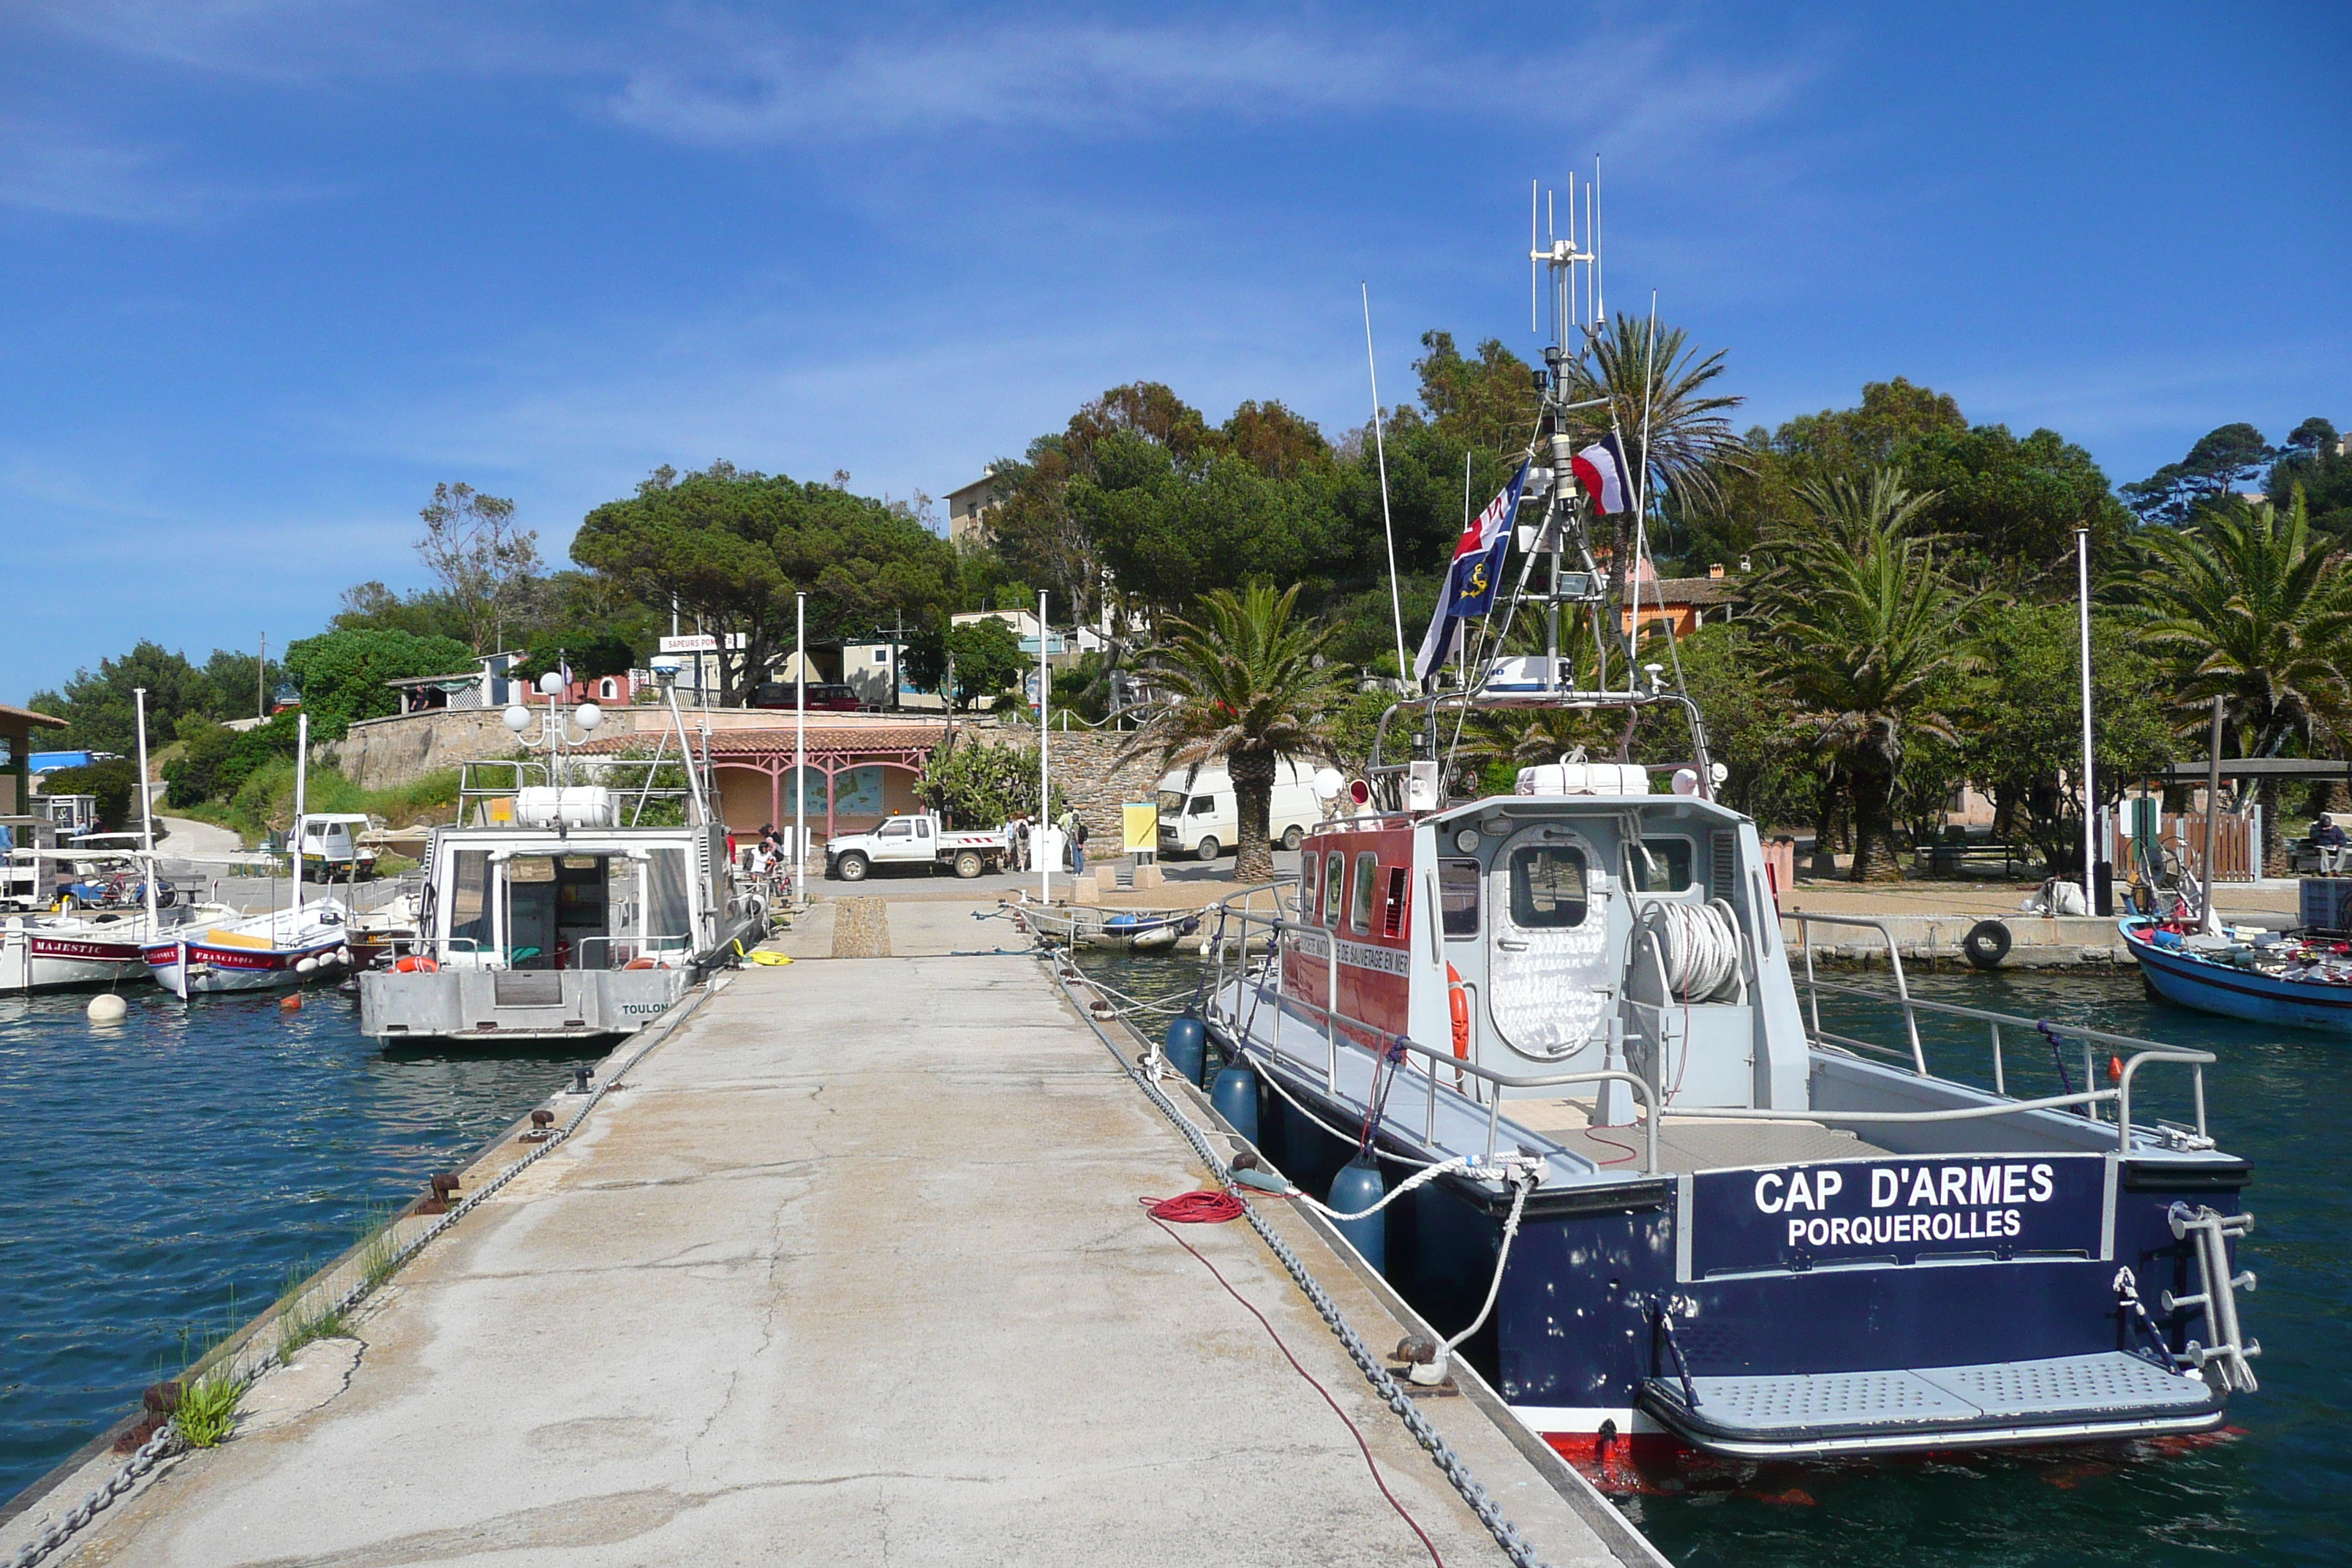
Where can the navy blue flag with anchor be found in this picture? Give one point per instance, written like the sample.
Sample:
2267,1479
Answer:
1476,575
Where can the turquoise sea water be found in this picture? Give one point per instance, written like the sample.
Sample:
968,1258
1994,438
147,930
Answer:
160,1177
2276,1489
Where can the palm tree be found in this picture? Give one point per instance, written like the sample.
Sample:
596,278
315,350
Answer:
1246,682
1860,621
1640,370
2247,606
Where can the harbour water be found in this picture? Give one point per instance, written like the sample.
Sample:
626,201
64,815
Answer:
2271,1490
162,1176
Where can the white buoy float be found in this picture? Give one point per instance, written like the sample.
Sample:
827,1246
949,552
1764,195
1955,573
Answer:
106,1007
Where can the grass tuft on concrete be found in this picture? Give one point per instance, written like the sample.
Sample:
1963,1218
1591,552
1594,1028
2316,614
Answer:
207,1409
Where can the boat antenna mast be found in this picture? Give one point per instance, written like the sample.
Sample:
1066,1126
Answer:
1577,302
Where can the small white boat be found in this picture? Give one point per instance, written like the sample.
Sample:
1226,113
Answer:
264,953
271,951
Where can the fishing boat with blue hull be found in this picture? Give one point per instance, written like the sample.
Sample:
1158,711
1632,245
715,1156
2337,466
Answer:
2303,980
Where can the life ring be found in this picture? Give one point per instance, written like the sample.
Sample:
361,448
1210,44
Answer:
416,963
640,964
1986,944
1458,999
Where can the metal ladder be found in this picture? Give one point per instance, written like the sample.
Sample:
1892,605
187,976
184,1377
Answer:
2229,1351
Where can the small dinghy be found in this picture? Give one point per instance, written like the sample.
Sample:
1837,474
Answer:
1122,930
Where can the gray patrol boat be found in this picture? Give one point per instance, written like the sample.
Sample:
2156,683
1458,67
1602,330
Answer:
573,896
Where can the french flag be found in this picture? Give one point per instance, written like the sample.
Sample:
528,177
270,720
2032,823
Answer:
1475,572
1601,469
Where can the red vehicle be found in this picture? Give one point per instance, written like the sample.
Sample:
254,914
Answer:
828,698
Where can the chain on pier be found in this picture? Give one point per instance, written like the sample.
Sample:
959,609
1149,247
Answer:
1490,1514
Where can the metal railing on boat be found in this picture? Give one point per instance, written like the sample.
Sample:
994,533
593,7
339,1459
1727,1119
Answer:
1240,908
1384,1041
2142,1050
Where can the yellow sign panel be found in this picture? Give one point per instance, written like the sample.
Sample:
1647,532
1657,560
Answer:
1142,826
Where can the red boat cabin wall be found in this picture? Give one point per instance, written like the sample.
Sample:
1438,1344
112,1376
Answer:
1356,883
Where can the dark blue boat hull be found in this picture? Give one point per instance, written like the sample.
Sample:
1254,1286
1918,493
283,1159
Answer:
1574,1335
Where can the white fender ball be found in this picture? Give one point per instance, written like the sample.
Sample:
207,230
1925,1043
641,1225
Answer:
106,1007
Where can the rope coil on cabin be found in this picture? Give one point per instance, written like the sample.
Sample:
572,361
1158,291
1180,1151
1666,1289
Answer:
1699,947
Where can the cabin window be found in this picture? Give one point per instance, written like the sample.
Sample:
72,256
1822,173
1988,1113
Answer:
1548,887
1202,805
1359,907
1457,896
667,913
470,905
896,828
1395,904
1335,886
1661,864
1309,865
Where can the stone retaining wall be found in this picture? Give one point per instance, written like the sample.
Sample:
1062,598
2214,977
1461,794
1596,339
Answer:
1084,774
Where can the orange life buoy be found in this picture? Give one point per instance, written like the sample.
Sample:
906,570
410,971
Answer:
416,963
639,963
1459,1000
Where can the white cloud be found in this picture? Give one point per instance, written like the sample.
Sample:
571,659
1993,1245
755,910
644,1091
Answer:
738,82
50,170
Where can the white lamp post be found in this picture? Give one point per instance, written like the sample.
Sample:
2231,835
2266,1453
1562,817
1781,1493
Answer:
2082,579
1044,779
800,751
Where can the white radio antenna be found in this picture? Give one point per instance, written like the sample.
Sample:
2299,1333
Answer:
1387,528
1591,318
1534,265
1600,293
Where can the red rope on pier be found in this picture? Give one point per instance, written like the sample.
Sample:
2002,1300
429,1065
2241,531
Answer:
1211,1205
1197,1209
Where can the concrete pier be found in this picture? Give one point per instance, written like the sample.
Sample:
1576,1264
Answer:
852,1270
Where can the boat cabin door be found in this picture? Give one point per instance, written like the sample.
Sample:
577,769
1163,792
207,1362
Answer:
1552,984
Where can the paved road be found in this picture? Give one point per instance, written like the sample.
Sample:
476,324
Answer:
854,1273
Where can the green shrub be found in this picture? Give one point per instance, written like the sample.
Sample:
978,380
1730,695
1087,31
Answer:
979,786
342,673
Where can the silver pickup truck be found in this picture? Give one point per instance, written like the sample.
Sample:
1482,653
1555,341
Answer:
915,841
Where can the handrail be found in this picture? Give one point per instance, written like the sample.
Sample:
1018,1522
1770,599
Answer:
646,945
2142,1051
1894,958
1237,905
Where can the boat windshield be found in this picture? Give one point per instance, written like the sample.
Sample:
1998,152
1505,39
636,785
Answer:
470,904
667,911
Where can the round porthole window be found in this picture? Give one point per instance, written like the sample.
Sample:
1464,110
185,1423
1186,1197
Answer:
1467,840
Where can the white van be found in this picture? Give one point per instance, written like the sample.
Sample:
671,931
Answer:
1198,815
332,850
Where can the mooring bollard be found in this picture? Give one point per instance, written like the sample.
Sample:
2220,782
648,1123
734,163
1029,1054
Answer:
1234,1096
1356,1188
1188,1047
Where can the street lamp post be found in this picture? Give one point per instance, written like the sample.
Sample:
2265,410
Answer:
554,733
2082,583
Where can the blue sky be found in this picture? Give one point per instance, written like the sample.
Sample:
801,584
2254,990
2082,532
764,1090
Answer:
270,269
